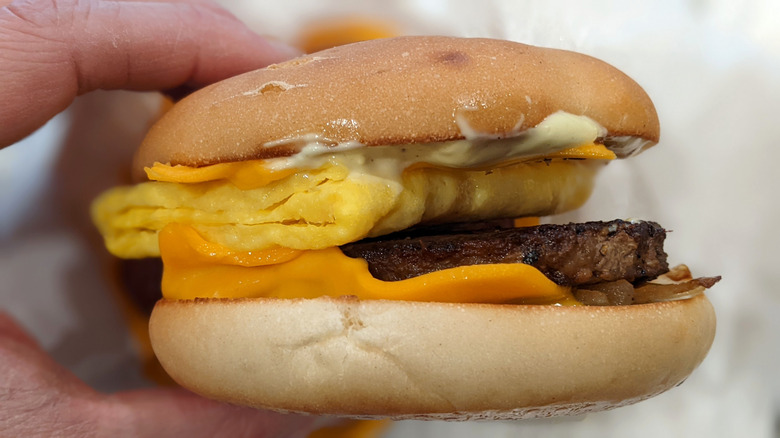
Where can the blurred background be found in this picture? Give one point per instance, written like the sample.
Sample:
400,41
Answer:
711,66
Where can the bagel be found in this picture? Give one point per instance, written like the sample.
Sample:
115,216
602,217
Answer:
408,360
397,91
274,199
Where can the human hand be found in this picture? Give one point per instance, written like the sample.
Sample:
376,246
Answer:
51,52
40,398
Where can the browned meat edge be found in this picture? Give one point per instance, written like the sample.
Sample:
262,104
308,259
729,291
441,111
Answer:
573,254
570,255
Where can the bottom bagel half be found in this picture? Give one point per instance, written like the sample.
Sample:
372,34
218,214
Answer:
423,360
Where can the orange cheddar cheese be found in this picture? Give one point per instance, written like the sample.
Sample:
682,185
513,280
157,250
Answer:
195,268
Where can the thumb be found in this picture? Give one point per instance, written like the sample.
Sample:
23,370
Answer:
38,397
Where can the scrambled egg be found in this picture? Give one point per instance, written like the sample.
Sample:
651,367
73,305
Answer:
331,206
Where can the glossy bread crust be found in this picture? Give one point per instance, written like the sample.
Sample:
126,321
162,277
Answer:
423,360
396,91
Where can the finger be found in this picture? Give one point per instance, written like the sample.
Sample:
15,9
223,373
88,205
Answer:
38,397
176,412
27,366
49,55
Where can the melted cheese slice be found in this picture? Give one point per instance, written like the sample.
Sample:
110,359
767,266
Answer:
196,268
251,174
245,175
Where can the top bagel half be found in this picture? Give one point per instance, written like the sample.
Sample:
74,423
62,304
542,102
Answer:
393,92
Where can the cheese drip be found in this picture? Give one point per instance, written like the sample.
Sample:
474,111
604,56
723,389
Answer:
197,268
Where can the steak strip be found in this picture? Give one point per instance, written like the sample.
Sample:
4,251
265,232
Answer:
570,255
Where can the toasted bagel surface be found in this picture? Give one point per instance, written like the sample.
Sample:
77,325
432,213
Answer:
429,360
396,91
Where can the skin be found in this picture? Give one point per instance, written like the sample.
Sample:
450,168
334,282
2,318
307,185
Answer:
50,53
40,398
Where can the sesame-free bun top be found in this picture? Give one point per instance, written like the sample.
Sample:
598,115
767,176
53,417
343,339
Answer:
401,90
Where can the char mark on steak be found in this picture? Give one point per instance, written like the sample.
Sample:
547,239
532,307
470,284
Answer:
569,255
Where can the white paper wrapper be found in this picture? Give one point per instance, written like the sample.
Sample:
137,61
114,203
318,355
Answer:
713,70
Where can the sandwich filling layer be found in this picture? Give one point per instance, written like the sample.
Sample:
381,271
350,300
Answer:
623,255
273,227
327,196
195,268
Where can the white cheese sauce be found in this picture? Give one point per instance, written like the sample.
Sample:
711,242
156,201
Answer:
556,132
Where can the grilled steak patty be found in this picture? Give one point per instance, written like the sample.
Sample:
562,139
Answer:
570,255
